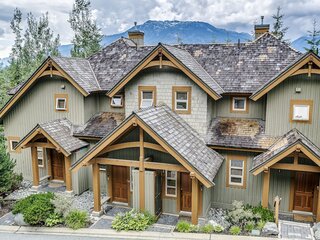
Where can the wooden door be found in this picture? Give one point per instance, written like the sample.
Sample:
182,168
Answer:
305,184
120,184
57,165
186,190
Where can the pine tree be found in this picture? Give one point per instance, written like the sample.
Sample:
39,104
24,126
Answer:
87,35
313,39
278,27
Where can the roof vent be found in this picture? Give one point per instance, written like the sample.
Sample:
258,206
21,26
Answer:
260,29
136,35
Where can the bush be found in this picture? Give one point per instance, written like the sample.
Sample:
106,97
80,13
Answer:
235,230
208,228
260,225
218,229
54,219
35,208
240,214
183,226
249,226
62,204
77,219
265,214
133,220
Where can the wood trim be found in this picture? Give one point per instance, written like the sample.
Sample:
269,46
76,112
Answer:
96,187
9,140
188,90
49,162
265,189
35,168
232,110
236,157
200,202
195,200
318,204
51,73
296,167
141,172
156,63
292,189
110,179
309,58
68,177
40,144
122,96
301,102
152,89
306,71
61,95
237,149
178,200
172,59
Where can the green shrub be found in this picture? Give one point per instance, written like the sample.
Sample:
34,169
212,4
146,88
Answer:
266,214
183,226
235,230
77,219
35,208
218,229
62,204
249,226
54,219
133,220
208,228
194,228
239,214
260,224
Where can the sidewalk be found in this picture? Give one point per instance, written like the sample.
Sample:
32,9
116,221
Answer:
126,235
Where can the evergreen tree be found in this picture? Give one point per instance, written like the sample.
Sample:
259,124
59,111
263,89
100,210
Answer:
313,39
87,35
278,27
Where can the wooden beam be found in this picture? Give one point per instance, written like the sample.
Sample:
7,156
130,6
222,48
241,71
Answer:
35,168
158,63
306,71
265,189
40,144
194,200
67,165
296,167
165,166
141,172
96,187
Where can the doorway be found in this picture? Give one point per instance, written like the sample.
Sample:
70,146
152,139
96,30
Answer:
57,163
120,184
186,192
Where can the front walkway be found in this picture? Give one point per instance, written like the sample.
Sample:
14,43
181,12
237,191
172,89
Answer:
295,230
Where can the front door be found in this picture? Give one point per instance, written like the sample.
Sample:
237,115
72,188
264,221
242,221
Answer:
305,184
186,189
120,184
57,161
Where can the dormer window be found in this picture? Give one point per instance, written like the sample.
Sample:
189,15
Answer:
117,101
239,104
147,96
61,102
301,111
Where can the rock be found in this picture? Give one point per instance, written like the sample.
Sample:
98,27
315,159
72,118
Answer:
18,219
317,234
255,232
316,227
270,229
218,216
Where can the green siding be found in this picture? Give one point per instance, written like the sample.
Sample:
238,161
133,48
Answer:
169,205
206,200
90,106
278,106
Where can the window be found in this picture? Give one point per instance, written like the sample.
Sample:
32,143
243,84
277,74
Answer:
301,111
13,142
181,99
171,183
147,96
40,157
239,104
61,102
117,101
236,171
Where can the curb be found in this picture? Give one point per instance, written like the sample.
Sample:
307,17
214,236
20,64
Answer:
115,234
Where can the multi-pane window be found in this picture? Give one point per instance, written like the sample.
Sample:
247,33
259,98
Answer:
239,104
301,111
147,96
117,101
181,99
171,183
236,175
61,102
40,157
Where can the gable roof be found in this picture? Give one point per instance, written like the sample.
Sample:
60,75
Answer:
58,131
287,141
176,134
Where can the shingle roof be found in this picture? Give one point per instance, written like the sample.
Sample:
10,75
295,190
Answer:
289,139
175,131
239,133
99,125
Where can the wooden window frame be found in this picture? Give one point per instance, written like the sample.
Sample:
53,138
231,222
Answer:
233,110
43,158
61,96
301,102
152,89
244,171
11,139
122,101
176,185
186,89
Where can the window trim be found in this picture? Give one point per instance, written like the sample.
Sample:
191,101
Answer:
43,152
301,102
244,175
233,110
11,139
175,187
122,101
152,89
61,96
186,89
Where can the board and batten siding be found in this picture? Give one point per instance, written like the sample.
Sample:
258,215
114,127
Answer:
38,106
164,79
278,106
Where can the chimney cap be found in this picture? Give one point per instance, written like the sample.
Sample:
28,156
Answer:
135,29
261,26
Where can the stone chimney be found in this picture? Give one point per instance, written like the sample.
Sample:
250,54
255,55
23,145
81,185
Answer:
136,35
260,29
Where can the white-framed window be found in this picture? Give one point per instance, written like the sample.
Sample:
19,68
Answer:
301,113
171,184
61,104
117,101
236,172
146,99
239,104
12,144
181,99
40,157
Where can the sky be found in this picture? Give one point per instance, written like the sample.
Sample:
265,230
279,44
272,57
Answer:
114,16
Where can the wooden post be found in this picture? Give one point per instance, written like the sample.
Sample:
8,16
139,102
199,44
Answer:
276,209
35,168
141,172
194,199
96,187
265,188
318,205
67,165
49,163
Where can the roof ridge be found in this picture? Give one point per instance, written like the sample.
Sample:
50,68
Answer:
94,75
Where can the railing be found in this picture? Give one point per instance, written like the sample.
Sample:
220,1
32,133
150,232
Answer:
276,205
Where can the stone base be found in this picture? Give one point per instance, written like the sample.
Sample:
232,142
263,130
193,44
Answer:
69,192
35,188
96,214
